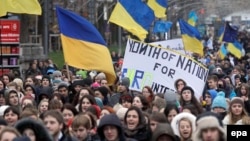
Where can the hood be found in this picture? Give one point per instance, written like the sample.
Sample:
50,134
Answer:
213,93
45,91
176,120
39,129
32,87
110,119
163,129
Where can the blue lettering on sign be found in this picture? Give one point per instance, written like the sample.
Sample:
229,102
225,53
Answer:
136,76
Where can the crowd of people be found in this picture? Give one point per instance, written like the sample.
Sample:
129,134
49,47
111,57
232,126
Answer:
53,104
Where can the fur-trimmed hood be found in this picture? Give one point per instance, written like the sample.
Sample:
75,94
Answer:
176,120
39,129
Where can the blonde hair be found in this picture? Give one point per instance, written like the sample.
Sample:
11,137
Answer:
44,100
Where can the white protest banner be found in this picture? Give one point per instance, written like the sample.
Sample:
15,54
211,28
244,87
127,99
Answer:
174,44
159,68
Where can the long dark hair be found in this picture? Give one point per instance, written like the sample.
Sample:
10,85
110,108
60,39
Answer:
193,101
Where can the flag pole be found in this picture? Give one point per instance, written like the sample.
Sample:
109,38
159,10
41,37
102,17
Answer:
67,69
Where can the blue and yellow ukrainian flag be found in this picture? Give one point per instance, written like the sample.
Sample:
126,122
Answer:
235,49
134,16
83,45
230,33
20,6
221,33
223,51
192,18
191,38
159,7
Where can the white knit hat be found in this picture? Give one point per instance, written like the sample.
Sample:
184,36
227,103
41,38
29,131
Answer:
3,108
121,113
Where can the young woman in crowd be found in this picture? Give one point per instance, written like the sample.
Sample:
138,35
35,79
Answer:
237,114
183,126
30,90
2,85
43,106
136,126
83,91
30,80
148,93
188,97
179,84
243,91
85,102
6,79
2,98
170,112
68,112
141,102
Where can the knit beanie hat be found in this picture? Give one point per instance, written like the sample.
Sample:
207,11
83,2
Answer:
82,73
121,113
117,106
62,85
170,97
95,85
208,120
187,88
212,93
220,101
99,102
125,82
3,108
50,71
57,73
237,100
101,75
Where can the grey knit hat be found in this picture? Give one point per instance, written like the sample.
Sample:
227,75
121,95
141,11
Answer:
125,82
170,97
